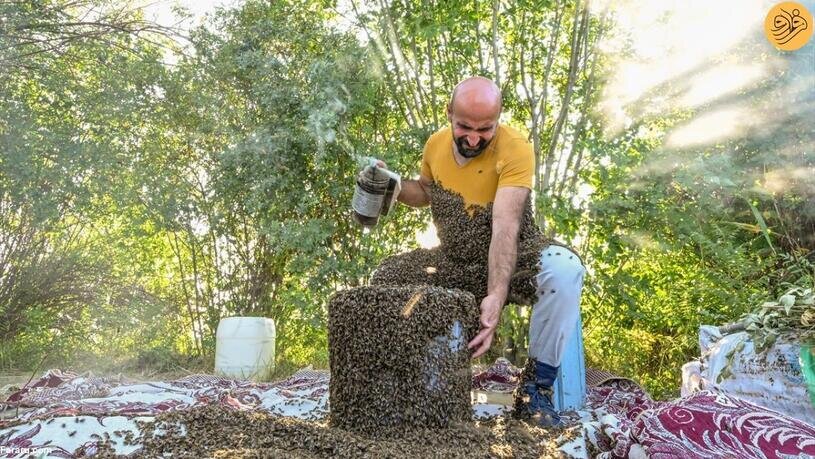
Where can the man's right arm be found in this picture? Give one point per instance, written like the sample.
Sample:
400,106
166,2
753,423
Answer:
415,193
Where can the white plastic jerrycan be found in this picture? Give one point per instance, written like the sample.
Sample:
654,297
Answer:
245,347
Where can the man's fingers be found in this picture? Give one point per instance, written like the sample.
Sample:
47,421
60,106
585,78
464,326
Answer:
479,338
482,341
475,342
485,346
481,351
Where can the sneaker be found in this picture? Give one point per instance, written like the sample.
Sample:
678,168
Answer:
540,405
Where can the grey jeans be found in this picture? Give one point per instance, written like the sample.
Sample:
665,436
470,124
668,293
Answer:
554,315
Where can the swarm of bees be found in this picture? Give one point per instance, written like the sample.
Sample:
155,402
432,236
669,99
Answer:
400,373
398,357
460,261
216,431
380,354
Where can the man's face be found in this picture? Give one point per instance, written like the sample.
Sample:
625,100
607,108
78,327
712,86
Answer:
471,134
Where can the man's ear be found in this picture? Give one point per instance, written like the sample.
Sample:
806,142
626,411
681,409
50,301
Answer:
449,113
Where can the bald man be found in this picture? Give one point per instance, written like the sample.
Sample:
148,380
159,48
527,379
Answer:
487,162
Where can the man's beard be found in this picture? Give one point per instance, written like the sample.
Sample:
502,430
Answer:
471,152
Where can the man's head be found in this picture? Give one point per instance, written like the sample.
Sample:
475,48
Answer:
473,112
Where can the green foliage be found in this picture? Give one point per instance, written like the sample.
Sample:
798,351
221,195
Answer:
790,316
216,187
294,104
512,336
142,202
676,237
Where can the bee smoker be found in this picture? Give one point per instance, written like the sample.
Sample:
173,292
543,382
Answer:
375,193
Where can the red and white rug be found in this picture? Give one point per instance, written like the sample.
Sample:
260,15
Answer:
70,412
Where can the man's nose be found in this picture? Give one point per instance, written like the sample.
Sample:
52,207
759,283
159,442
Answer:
472,140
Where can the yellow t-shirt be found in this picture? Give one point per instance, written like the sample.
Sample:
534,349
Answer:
507,161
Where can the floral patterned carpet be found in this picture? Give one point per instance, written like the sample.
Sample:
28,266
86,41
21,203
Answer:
63,414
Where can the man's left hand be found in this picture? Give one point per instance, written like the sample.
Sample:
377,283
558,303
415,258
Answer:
490,313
